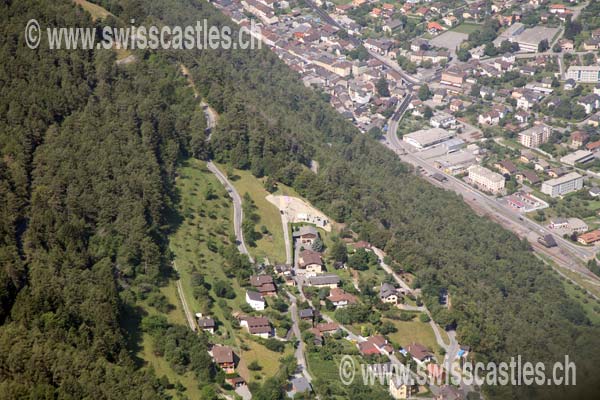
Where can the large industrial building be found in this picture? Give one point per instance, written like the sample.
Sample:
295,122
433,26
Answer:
427,137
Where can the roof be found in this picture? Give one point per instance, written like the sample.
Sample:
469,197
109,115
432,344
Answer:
258,325
339,295
418,351
305,230
565,178
448,392
368,348
222,354
324,279
589,237
327,327
206,323
267,288
259,280
508,165
387,289
300,384
308,257
254,296
306,313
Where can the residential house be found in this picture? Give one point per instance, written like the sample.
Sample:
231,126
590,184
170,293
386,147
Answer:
206,324
593,146
448,392
264,284
255,300
399,389
223,357
506,167
589,237
442,120
419,352
307,314
310,263
434,27
257,326
578,139
527,176
388,293
527,156
340,298
589,102
541,165
382,344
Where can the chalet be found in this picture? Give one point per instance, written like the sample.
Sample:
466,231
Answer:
255,300
328,328
206,324
257,326
310,263
340,298
388,293
307,314
264,284
223,357
419,352
541,165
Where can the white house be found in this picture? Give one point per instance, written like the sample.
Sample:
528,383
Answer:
255,300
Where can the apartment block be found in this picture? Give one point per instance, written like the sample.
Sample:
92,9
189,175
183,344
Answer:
565,184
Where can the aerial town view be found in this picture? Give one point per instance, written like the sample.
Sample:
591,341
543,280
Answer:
300,199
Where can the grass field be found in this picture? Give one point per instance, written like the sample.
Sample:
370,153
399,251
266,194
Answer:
202,224
414,331
271,245
95,10
199,222
466,28
268,360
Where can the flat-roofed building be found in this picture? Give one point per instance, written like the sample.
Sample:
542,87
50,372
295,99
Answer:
584,73
577,157
529,39
485,179
535,136
427,137
565,184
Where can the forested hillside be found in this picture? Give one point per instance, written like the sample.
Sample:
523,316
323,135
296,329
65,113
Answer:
505,301
88,158
89,151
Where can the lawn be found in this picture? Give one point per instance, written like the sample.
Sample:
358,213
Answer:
414,331
271,245
203,224
267,359
466,28
198,223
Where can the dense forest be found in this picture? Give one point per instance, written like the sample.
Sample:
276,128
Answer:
89,152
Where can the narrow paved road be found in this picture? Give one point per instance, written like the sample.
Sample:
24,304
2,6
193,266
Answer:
238,214
299,353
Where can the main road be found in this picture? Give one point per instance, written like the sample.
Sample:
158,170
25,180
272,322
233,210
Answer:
493,207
